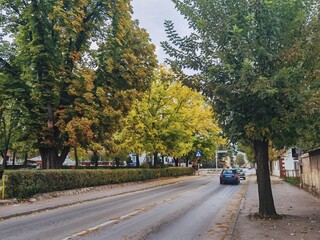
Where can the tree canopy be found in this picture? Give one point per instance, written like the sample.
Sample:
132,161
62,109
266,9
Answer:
78,65
170,119
255,65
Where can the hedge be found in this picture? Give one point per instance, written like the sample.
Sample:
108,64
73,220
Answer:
25,183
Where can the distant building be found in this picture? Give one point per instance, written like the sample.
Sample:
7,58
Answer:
286,165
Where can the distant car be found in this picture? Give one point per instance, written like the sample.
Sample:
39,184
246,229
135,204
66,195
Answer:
229,176
241,173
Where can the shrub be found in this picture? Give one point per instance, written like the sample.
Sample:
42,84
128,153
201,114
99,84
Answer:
25,183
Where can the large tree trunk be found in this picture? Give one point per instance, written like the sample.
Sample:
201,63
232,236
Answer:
51,159
50,151
266,203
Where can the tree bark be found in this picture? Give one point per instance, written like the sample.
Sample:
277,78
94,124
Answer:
14,158
76,157
266,203
95,158
137,160
155,159
51,159
176,162
117,160
25,163
5,158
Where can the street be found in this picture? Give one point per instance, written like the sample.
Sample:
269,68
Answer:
196,208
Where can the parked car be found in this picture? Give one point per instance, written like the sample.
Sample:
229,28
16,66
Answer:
229,176
241,173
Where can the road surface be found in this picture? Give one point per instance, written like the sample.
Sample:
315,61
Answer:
197,208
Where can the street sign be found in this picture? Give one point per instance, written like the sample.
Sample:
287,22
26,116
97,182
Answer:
198,154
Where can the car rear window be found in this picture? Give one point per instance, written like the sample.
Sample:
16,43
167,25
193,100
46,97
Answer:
228,171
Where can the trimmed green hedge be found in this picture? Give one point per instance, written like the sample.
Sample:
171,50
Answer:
25,183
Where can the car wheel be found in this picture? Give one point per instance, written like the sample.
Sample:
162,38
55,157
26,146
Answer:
221,182
244,178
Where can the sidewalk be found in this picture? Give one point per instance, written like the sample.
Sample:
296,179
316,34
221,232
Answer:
300,211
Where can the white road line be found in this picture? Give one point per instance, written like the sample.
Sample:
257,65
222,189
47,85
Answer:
100,225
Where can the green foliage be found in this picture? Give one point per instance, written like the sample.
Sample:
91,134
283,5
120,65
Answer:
170,119
23,183
240,159
254,60
67,94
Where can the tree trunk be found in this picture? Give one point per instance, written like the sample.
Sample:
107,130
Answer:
5,158
117,160
76,157
176,161
25,163
137,160
155,159
95,159
187,161
14,158
266,203
51,159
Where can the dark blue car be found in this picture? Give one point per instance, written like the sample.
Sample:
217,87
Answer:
229,176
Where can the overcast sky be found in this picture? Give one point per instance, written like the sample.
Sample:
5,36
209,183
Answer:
152,14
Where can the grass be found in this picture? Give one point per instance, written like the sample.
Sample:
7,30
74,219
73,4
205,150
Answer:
293,180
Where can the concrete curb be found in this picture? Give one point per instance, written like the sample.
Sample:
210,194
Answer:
229,234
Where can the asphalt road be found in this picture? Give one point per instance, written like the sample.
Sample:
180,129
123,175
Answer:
198,208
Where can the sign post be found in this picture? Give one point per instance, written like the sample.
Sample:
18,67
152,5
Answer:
198,156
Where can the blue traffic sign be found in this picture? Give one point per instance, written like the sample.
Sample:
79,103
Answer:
198,154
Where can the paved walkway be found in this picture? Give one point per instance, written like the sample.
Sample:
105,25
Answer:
300,211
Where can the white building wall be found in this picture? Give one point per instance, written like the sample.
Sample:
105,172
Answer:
289,162
275,168
149,158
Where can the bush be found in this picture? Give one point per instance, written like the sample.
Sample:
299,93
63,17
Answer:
25,183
